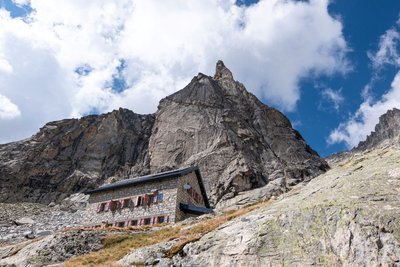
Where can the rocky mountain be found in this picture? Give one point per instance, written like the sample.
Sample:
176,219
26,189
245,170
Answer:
388,129
387,132
349,216
72,155
238,142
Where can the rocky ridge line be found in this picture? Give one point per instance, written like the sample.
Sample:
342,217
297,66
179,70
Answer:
386,133
387,130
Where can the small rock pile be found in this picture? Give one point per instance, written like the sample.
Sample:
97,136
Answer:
52,250
19,221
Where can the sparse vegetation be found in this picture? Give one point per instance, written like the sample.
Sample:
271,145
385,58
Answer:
117,245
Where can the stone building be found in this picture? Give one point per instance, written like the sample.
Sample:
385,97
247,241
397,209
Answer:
165,197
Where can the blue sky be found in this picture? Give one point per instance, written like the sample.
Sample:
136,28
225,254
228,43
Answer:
311,60
364,22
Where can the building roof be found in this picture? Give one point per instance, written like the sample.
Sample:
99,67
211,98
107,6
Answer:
194,209
156,177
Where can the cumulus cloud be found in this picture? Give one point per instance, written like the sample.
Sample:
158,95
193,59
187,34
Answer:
360,124
8,110
71,52
367,116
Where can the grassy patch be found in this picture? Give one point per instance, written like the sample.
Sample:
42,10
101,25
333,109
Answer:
117,245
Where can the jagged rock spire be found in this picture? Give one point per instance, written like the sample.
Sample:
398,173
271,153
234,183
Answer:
222,72
386,131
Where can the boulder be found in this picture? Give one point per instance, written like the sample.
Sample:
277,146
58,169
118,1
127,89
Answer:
24,220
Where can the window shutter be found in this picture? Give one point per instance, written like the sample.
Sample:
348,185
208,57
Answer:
167,219
146,200
124,203
113,205
98,207
160,197
107,207
155,195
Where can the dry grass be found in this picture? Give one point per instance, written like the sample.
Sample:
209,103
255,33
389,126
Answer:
117,245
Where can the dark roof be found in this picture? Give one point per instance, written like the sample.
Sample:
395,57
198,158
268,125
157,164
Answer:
194,209
153,178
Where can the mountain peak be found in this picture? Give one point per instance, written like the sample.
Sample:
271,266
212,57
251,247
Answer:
386,131
222,72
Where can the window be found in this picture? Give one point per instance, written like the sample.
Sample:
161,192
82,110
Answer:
120,224
193,193
125,203
160,197
147,221
152,199
160,219
114,205
138,201
134,222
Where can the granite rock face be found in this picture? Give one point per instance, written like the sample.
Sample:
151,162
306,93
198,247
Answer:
214,122
238,142
71,155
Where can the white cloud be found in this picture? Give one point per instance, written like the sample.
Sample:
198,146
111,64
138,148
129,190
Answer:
8,110
333,96
367,116
388,49
21,2
360,124
269,46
